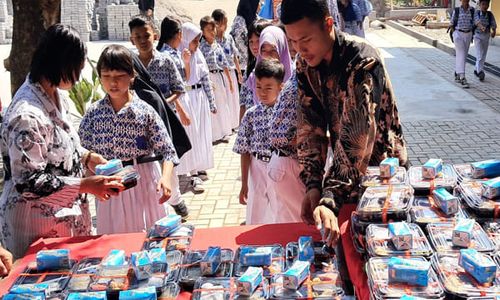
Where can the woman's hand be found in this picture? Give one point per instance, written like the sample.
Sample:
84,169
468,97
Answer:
6,260
94,160
164,186
244,194
103,187
186,56
184,117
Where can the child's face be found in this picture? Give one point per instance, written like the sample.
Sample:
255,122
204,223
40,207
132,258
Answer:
209,33
221,27
115,83
484,5
253,43
268,51
194,44
465,2
143,38
267,90
176,42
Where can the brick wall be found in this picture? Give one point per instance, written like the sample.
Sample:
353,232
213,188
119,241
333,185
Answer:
5,21
79,15
118,17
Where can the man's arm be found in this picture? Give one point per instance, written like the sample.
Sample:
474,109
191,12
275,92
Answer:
6,261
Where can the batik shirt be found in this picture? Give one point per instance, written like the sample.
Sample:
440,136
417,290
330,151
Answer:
164,74
352,98
239,32
487,20
214,55
465,19
229,46
176,57
246,96
41,153
134,131
253,134
283,132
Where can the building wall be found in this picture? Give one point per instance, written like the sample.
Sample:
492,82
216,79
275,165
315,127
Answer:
495,8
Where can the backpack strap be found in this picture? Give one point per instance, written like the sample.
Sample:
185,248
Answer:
455,16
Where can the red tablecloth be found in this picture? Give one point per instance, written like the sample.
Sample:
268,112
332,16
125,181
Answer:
227,237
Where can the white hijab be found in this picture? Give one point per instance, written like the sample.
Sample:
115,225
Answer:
198,65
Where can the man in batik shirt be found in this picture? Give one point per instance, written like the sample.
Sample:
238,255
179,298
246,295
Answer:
343,89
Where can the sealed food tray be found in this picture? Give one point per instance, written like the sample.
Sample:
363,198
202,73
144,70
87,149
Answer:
83,273
190,269
326,286
207,288
379,243
324,256
163,274
456,281
425,211
385,203
180,240
493,231
277,265
464,172
446,179
372,177
170,291
440,236
378,279
56,280
470,194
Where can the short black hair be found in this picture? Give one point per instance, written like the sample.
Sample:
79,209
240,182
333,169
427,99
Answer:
116,58
270,68
295,10
205,21
141,21
59,56
487,1
219,15
170,26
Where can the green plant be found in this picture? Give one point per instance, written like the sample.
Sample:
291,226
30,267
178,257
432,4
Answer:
85,92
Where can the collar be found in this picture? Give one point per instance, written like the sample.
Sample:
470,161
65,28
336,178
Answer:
329,68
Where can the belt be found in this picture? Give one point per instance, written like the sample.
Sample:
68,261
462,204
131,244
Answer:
142,160
193,87
464,31
263,158
280,153
216,71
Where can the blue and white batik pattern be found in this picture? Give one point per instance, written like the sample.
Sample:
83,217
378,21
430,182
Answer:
165,75
283,125
214,55
176,57
253,135
465,18
229,46
246,96
239,32
134,131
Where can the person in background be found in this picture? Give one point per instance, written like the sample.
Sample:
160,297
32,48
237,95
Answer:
227,43
220,77
246,13
147,8
365,8
253,144
6,261
122,126
43,193
352,19
486,27
462,24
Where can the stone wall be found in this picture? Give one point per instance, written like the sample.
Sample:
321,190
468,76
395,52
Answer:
6,21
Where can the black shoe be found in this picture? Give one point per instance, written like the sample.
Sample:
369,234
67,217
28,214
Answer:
181,209
475,73
203,175
481,75
457,78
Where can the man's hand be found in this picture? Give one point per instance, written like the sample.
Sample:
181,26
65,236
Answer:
309,204
493,33
325,219
6,260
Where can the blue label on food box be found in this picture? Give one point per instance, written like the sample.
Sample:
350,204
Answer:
486,168
87,296
52,259
446,201
148,293
110,168
462,233
400,235
210,262
410,271
249,281
306,249
478,265
165,226
257,257
388,167
432,168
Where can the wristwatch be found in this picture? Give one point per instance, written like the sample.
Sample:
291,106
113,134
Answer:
330,204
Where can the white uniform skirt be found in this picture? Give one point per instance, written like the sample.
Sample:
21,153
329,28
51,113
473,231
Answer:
189,159
221,121
135,209
234,101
